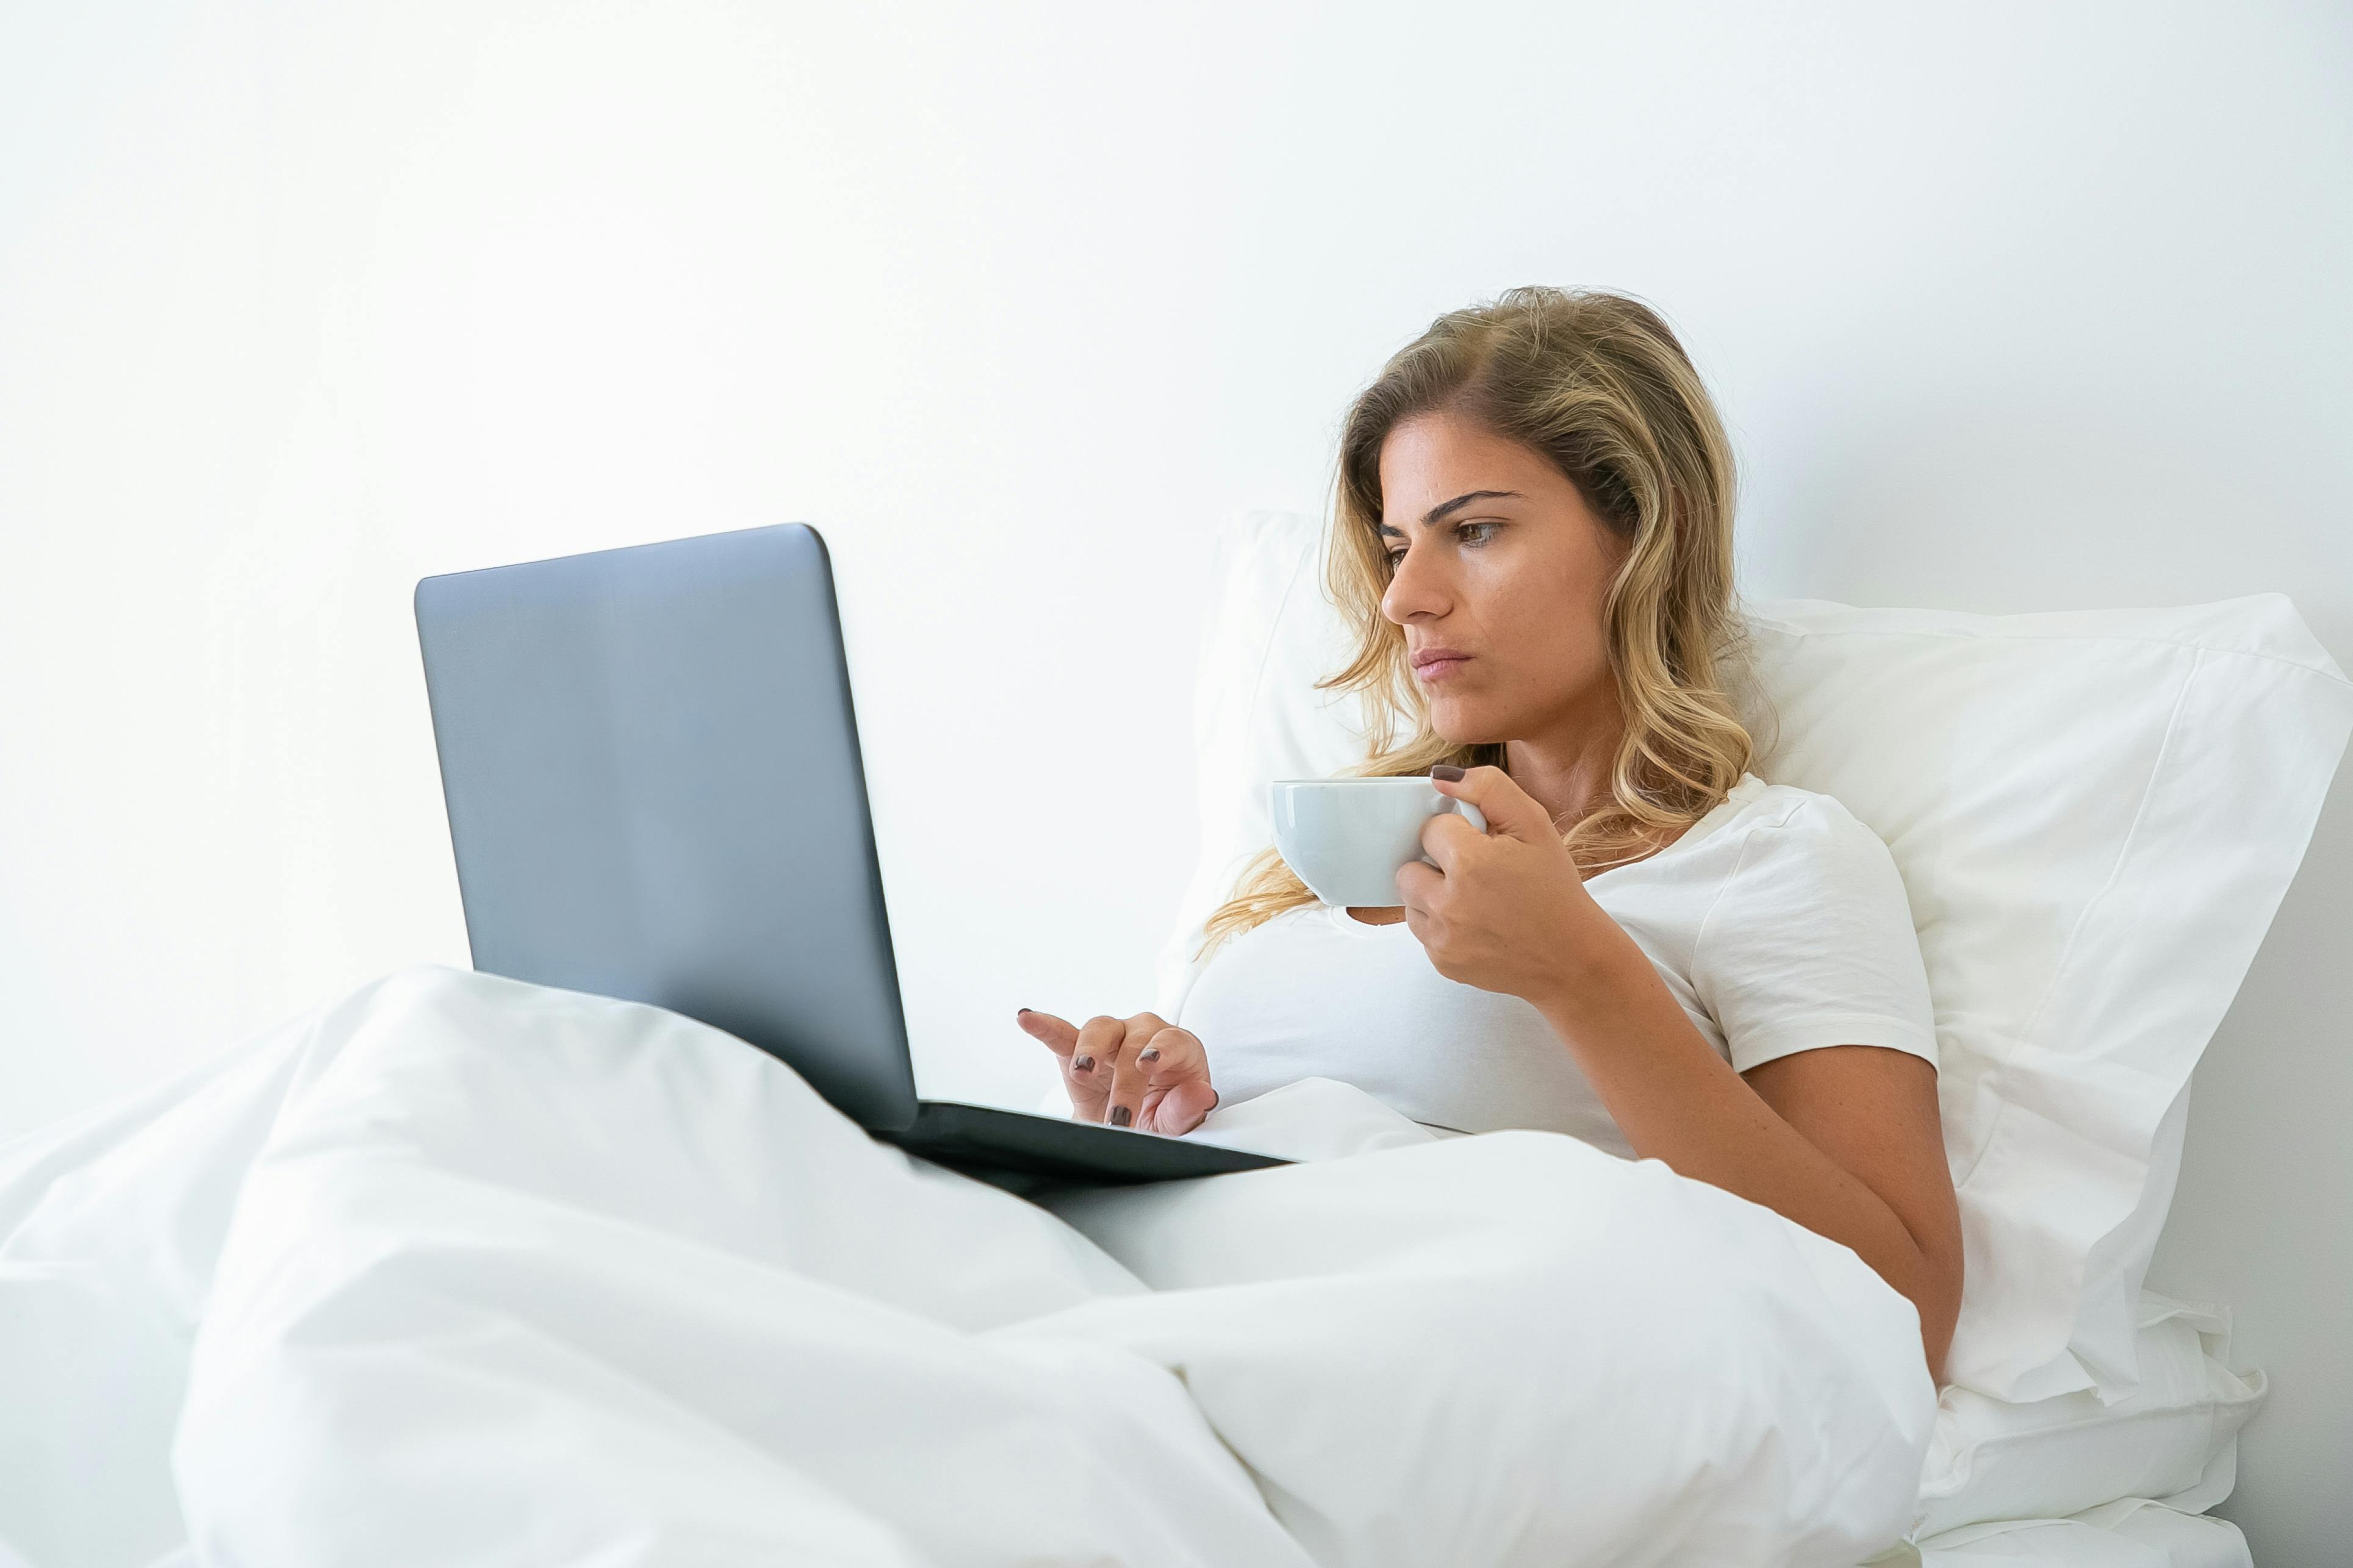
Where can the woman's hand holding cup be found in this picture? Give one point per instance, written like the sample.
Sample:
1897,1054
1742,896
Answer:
1142,1072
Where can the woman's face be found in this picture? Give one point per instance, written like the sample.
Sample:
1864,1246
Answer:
1498,574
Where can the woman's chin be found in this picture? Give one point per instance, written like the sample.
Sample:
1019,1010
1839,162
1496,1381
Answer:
1461,724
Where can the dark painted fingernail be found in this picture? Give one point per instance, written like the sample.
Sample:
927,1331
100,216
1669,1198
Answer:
1021,1012
1151,1054
1446,771
1084,1064
1121,1116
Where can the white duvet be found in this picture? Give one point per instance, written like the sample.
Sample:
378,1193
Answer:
462,1271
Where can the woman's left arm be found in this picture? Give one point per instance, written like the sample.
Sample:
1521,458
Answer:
1843,1140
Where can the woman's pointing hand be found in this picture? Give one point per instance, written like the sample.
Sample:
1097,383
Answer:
1142,1072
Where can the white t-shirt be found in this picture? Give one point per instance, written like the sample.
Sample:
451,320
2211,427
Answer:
1777,920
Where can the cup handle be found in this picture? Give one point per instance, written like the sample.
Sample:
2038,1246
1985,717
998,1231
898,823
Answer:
1471,814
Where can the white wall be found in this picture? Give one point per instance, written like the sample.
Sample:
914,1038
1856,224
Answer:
2011,307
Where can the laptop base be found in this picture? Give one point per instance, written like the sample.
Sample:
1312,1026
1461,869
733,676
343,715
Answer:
1023,1153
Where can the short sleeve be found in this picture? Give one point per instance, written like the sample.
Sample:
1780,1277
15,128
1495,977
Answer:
1810,943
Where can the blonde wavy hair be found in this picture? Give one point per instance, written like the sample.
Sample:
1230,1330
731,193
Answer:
1596,381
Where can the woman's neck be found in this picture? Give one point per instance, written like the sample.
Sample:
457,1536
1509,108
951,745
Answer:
1567,769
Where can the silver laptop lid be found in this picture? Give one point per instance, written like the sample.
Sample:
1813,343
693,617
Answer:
651,769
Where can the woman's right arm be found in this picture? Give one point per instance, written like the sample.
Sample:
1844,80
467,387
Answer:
1142,1072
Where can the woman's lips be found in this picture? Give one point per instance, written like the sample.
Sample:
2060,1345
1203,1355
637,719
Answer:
1440,668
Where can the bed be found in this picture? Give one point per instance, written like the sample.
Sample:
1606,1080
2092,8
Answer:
460,1270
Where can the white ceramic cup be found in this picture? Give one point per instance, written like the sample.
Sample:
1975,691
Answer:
1347,838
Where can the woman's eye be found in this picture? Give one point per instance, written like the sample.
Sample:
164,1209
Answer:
1473,534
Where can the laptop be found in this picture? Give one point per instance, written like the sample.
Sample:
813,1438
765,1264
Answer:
652,776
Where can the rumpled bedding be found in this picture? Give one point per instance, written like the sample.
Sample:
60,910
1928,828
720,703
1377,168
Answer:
463,1271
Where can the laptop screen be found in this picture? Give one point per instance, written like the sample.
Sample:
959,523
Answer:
651,769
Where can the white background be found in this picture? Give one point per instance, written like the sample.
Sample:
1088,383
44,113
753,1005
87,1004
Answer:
2010,307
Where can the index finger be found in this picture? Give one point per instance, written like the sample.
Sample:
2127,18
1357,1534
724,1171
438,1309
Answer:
1058,1035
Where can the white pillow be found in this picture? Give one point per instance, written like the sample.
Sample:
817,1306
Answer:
2096,814
2133,1532
2175,1439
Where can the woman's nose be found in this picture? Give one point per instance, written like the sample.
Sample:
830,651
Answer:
1415,588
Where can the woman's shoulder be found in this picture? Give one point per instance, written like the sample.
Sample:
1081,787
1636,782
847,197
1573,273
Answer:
1726,840
1751,803
1779,822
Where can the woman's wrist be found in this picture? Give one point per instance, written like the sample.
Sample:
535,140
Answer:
1592,979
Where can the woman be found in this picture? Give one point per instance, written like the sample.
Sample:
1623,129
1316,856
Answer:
1653,949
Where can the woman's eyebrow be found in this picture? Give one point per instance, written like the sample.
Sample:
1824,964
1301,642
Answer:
1444,509
1465,498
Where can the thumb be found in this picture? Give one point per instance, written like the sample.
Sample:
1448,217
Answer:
1510,812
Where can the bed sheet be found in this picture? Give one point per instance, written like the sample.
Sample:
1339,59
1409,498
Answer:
346,1292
